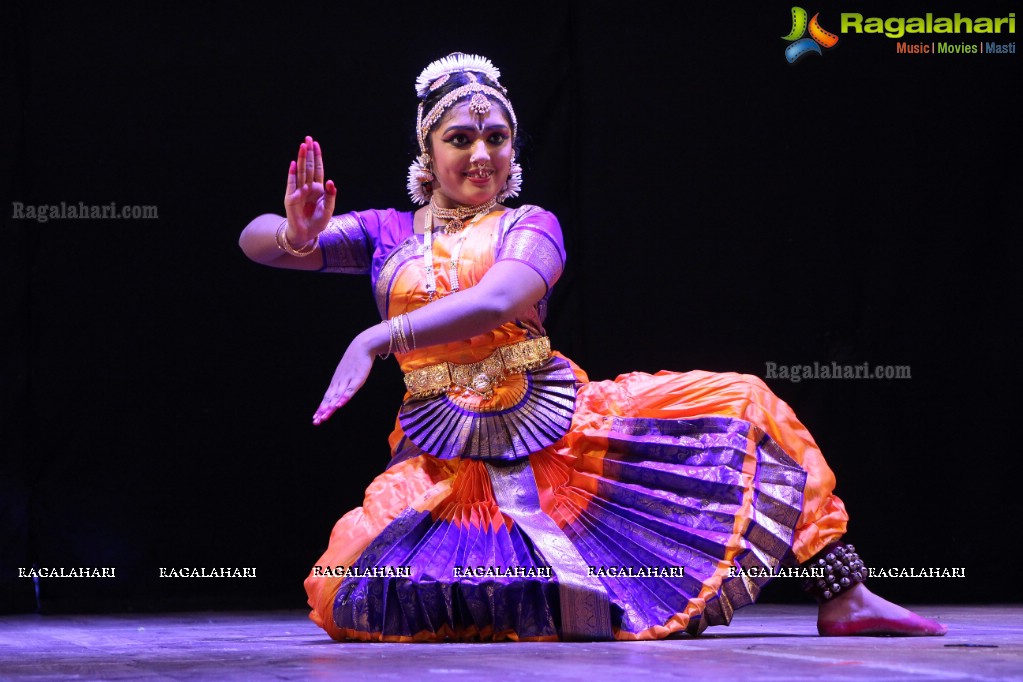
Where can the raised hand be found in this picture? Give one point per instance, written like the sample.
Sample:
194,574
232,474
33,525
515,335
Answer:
308,200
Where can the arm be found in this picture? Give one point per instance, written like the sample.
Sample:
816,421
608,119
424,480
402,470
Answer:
508,288
259,242
308,203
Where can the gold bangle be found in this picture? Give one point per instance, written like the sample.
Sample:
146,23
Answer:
395,338
283,245
398,340
411,334
402,341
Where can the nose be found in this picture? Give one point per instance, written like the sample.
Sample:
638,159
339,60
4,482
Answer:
479,152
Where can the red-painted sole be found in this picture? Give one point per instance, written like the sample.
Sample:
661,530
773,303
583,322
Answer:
916,626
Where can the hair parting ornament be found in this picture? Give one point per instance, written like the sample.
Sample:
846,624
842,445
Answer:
434,76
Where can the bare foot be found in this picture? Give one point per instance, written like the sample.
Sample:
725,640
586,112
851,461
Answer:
861,612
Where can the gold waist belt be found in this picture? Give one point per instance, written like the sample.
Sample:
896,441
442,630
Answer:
479,377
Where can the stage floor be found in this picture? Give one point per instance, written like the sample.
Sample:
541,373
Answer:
766,642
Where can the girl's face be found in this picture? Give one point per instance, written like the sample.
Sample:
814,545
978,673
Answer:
471,154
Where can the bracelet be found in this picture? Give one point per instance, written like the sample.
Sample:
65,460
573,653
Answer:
399,327
283,245
394,346
410,333
399,341
401,334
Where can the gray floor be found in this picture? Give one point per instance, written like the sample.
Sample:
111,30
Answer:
764,643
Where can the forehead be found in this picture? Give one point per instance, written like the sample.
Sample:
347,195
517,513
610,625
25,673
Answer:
460,115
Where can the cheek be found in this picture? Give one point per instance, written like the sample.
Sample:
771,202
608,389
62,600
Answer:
505,155
444,165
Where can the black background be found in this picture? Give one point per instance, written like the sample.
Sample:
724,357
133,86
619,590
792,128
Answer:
722,209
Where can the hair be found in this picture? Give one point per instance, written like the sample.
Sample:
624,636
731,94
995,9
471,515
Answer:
457,80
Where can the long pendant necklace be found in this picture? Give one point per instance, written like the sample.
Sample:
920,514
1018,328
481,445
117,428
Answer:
454,215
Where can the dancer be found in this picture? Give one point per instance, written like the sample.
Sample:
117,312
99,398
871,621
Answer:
523,501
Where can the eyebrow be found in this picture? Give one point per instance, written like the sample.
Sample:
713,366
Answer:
497,126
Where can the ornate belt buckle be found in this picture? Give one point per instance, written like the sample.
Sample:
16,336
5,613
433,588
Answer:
479,378
482,385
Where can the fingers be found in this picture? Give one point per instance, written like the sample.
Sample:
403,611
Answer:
317,162
292,180
330,197
310,160
300,165
323,413
349,377
332,401
309,164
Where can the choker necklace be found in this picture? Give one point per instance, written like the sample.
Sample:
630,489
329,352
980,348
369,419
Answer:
456,216
477,213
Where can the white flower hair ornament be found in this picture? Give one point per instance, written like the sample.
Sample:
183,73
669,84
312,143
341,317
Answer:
453,63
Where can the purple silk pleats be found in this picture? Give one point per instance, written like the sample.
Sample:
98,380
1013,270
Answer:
541,416
683,493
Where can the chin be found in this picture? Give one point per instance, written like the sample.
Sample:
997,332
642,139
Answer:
478,195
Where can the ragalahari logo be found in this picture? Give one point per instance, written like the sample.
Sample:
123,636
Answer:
801,46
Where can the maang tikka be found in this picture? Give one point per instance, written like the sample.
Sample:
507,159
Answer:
420,174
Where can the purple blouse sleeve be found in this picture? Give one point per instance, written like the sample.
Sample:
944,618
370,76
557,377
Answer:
346,245
534,238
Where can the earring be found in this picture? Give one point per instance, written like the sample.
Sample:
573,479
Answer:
513,185
419,178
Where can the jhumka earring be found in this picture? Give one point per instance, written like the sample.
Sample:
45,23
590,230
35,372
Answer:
419,178
513,185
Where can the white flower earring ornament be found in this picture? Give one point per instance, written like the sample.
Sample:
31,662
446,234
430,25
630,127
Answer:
513,185
419,178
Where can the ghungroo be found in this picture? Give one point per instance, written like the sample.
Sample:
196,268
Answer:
842,568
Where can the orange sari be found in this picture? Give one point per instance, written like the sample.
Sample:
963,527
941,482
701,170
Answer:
629,521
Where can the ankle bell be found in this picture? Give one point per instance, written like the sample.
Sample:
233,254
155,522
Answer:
842,570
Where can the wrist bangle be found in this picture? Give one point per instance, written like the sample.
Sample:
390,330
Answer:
283,245
407,338
402,340
411,335
399,341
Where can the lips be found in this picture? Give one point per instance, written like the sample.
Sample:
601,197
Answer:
479,176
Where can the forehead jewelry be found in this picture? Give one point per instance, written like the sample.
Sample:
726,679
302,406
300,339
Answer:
479,103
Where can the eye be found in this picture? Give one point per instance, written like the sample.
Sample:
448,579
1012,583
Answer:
458,140
497,138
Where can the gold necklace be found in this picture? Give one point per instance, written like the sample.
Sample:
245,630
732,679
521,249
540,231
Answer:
456,254
456,216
